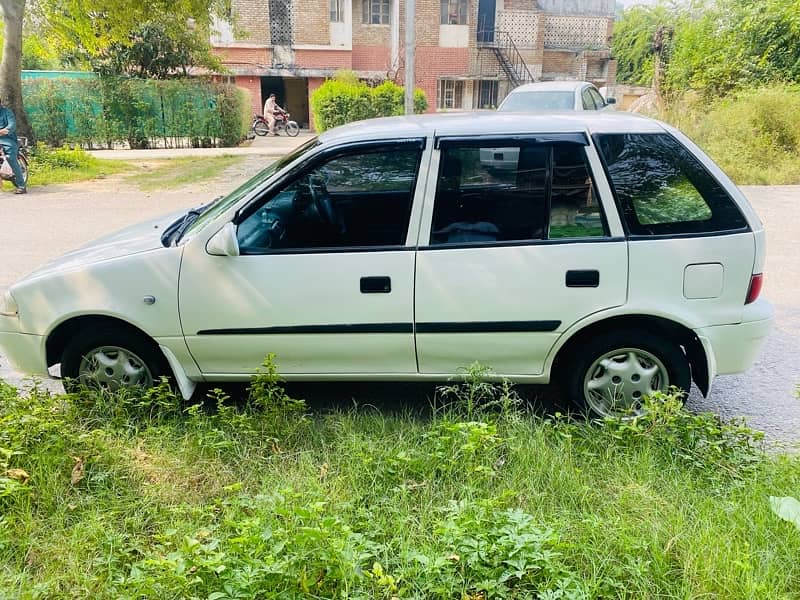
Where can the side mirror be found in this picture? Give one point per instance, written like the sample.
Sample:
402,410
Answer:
611,100
224,242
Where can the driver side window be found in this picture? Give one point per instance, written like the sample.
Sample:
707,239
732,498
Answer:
351,201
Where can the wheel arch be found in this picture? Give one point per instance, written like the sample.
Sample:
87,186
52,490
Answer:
676,332
60,336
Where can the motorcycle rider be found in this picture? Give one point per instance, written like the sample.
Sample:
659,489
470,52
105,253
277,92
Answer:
271,109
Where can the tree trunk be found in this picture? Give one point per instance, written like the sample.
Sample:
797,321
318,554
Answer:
11,66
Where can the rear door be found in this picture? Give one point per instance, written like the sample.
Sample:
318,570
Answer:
692,252
512,253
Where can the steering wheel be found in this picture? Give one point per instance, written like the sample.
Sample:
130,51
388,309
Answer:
324,204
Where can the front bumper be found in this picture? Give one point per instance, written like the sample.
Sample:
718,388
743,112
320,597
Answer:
734,348
24,351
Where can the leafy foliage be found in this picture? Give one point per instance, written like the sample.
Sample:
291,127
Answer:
141,113
152,51
345,99
228,500
718,46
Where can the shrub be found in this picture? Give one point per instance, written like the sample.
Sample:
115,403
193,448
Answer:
141,113
753,135
343,100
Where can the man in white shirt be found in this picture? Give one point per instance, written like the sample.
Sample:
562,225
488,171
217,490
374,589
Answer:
271,108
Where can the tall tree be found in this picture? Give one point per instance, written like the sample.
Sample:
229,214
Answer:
11,65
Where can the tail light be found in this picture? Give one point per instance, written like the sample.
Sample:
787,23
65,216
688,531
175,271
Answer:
754,291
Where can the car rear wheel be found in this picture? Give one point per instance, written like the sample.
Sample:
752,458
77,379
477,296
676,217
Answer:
612,374
112,359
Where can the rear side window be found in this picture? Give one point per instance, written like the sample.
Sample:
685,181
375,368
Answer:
661,188
488,194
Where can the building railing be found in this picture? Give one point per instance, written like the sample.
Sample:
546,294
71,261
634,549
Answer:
508,55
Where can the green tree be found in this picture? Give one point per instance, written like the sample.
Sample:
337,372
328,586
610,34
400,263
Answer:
91,26
154,52
633,45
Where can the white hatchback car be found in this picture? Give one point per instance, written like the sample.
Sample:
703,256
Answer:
616,258
555,95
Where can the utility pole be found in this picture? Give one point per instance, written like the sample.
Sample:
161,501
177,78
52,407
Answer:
411,41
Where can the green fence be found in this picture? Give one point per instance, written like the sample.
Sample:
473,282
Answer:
104,112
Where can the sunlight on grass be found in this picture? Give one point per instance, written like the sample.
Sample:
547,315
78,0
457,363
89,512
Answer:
94,168
475,498
178,172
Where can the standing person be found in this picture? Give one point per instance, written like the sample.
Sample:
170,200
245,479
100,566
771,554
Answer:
8,139
271,108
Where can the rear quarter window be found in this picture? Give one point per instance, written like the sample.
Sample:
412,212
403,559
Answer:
661,188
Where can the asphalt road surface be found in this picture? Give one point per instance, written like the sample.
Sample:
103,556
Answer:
50,221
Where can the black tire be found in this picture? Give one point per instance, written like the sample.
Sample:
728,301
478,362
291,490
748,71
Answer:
292,128
633,352
23,164
143,351
261,128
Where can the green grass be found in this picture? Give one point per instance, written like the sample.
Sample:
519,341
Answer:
753,135
140,497
64,165
178,172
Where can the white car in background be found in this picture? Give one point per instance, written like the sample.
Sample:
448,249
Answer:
555,95
615,257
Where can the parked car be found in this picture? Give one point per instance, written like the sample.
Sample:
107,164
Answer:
616,258
555,95
543,96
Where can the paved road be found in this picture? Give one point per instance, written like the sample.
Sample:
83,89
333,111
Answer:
53,220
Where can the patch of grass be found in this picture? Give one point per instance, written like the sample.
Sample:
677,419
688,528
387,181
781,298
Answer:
753,135
178,172
138,496
66,165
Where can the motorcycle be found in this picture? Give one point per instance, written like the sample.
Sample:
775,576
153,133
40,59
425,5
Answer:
22,157
282,122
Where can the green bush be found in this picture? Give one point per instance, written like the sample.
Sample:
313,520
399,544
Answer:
754,135
142,113
343,100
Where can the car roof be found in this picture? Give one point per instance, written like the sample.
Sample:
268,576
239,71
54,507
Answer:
490,123
551,86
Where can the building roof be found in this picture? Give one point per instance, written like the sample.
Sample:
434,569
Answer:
491,123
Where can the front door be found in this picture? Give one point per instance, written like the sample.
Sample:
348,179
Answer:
519,250
325,277
486,13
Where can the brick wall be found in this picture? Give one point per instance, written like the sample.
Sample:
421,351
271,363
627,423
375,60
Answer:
323,59
371,58
559,64
244,56
532,5
311,22
252,20
433,63
252,85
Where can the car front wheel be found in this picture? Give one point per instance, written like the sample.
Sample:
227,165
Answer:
612,374
112,359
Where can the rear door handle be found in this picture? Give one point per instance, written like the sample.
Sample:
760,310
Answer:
376,285
583,278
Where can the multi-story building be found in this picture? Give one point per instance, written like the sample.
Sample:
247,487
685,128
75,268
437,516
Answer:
469,53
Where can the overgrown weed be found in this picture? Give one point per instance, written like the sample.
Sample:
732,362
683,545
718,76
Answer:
137,495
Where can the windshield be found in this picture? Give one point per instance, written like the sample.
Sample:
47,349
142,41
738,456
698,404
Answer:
231,199
525,101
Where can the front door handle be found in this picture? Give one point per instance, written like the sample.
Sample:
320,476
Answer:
583,278
376,285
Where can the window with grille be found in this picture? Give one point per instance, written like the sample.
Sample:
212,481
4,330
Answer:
450,94
376,12
454,12
485,95
337,11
